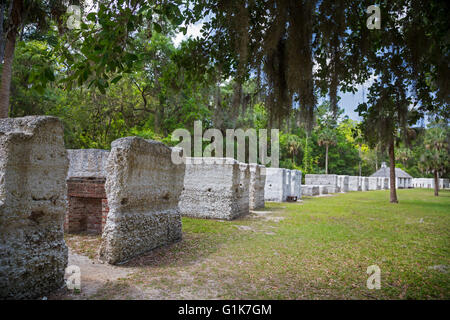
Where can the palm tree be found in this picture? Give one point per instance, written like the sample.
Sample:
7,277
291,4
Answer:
327,137
403,155
359,140
293,146
435,156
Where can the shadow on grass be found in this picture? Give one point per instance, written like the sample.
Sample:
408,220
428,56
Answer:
201,238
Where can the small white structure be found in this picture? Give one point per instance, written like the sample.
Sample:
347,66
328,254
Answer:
323,190
429,183
373,183
310,190
322,179
343,183
275,188
215,188
296,183
364,183
403,179
331,181
354,183
288,184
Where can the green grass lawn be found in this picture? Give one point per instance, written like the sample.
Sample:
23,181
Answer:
317,249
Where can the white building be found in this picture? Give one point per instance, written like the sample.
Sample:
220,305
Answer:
403,179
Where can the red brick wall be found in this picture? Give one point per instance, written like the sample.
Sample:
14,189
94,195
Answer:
88,206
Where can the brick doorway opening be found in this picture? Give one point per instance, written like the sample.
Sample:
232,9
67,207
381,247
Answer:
87,205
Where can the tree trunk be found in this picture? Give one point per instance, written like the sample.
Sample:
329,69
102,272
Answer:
2,39
159,118
360,160
326,158
436,183
392,172
14,22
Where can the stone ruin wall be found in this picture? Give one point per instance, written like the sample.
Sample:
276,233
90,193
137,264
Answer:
296,183
321,179
87,204
429,183
275,187
215,188
373,183
311,190
385,184
256,187
143,188
364,183
354,183
33,194
243,199
287,190
323,190
343,183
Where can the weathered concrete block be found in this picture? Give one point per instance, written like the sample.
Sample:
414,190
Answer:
275,188
322,179
323,190
429,183
215,188
333,189
243,197
287,186
385,183
296,183
373,183
380,183
33,195
256,188
143,187
343,183
87,163
310,190
354,183
364,184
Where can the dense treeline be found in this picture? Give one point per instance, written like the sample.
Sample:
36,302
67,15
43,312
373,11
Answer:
256,64
154,102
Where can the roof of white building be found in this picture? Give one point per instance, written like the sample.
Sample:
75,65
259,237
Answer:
384,172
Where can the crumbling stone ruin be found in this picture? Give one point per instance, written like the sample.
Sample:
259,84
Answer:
321,179
373,183
323,190
429,183
380,185
215,188
329,180
287,186
310,190
275,188
87,204
364,183
244,187
385,184
256,187
33,194
354,183
143,187
296,183
343,183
